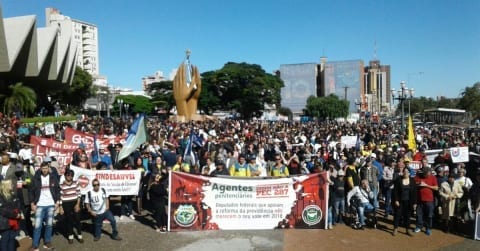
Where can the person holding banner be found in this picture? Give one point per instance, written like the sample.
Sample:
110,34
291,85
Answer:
279,169
240,169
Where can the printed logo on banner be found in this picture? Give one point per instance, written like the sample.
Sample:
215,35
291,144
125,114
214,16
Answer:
455,151
185,215
312,215
83,181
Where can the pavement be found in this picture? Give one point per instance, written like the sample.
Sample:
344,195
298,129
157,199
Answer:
139,234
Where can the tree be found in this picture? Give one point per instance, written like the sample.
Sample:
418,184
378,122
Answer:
136,104
329,107
20,99
418,105
470,99
240,87
162,94
79,91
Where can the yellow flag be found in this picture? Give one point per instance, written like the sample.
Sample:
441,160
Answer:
411,135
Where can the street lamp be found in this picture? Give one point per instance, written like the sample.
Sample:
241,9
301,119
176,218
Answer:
401,95
126,110
120,105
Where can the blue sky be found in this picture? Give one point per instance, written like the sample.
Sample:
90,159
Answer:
440,38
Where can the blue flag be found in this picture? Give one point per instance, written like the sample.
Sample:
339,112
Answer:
136,136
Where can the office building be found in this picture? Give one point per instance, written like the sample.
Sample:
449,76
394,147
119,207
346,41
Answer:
83,34
377,87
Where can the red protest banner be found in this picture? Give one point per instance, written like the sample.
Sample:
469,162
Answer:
211,203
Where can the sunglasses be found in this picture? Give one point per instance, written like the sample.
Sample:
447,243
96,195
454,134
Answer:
96,185
278,159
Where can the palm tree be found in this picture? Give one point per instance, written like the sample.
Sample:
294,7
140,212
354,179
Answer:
20,99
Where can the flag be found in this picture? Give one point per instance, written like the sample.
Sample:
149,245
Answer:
189,154
136,136
411,135
358,143
95,147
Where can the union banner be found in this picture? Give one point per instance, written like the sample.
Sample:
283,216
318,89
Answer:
226,203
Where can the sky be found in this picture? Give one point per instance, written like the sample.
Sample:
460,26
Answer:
433,45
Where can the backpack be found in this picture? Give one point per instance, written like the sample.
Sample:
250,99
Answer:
90,194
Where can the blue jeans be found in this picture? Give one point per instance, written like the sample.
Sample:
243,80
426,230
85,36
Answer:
362,209
425,210
98,221
126,205
339,209
8,242
374,189
330,216
388,201
43,214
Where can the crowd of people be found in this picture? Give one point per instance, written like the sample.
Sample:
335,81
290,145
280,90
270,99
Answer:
377,171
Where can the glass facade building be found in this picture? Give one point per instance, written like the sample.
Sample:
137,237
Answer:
300,82
344,79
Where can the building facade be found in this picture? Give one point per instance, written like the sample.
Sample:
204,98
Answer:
84,35
345,80
377,87
149,80
300,82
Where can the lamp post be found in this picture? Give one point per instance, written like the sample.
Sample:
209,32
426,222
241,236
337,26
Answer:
120,105
401,95
126,110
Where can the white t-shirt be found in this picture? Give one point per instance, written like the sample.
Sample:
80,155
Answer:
98,201
46,198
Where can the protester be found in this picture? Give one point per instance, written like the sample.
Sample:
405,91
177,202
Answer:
98,206
45,195
158,195
426,185
70,206
404,199
10,215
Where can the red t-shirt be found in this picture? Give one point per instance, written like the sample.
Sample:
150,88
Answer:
425,194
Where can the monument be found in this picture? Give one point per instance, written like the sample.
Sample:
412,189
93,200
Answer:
186,90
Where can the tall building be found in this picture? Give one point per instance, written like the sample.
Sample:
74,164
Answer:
345,80
300,82
84,35
342,78
377,86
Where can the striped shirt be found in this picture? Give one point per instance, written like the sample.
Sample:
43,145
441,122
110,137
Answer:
69,192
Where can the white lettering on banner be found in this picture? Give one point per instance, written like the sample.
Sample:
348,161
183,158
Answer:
118,182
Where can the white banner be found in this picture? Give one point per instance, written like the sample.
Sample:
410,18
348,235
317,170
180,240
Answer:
459,154
349,141
235,202
116,182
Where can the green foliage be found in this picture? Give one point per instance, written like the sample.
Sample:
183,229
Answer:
51,119
136,104
285,111
470,99
239,87
162,95
418,105
19,98
80,90
329,107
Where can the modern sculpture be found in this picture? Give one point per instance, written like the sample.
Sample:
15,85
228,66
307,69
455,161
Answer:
186,90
